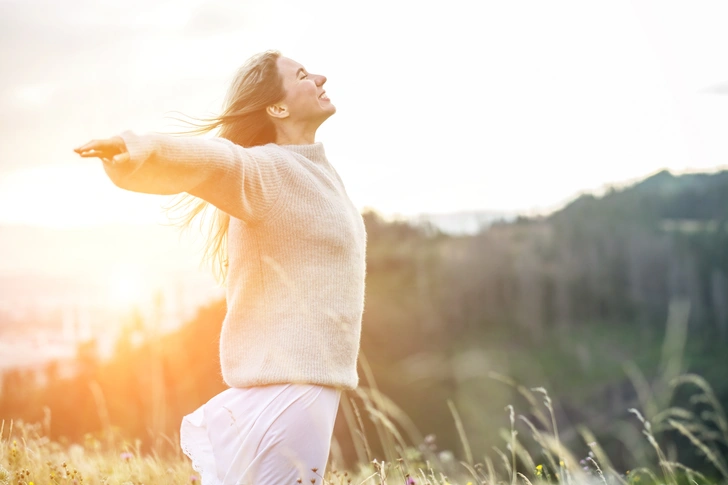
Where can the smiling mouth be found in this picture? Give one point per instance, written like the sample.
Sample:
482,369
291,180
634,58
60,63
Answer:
323,96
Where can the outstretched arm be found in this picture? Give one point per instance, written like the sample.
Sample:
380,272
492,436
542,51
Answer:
244,182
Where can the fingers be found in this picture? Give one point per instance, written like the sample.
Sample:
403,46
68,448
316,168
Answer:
92,145
106,157
92,153
105,149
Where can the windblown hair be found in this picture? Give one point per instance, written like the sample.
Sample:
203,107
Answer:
244,121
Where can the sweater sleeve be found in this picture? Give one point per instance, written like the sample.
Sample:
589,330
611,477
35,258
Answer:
244,182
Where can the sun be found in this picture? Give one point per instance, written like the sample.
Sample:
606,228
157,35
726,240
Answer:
127,285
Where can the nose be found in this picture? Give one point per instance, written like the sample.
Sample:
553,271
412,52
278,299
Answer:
320,80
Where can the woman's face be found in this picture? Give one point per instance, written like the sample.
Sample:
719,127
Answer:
305,98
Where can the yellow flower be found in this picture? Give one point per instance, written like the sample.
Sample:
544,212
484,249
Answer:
31,483
561,463
539,467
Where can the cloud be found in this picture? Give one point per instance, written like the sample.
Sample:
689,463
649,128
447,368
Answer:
215,17
720,89
36,33
73,69
41,39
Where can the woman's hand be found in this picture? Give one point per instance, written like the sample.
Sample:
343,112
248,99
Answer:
109,150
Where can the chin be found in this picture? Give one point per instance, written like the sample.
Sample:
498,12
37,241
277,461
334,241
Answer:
328,111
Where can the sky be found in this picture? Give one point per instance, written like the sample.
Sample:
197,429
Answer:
441,106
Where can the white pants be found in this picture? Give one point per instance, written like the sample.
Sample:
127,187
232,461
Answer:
269,435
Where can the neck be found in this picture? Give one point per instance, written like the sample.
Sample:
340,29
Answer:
295,135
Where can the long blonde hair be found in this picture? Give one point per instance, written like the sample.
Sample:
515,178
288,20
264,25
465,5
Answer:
244,121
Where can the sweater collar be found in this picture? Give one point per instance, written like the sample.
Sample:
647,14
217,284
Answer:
314,152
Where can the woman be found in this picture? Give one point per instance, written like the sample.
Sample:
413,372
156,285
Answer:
292,247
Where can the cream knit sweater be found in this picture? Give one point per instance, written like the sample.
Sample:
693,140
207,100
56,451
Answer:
296,252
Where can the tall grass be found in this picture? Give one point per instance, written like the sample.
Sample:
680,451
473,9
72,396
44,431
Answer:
531,451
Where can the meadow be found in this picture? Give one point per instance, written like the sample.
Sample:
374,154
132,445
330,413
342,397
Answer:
29,457
531,451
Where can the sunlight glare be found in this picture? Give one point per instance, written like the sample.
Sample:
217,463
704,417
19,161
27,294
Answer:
127,285
34,94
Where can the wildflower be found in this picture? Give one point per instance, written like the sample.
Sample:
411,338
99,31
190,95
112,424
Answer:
411,481
126,456
561,463
539,470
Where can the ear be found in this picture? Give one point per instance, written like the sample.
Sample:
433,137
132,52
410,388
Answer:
279,111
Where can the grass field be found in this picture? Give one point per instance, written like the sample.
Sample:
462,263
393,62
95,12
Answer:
531,450
531,453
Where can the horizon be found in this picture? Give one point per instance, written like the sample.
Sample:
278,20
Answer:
140,220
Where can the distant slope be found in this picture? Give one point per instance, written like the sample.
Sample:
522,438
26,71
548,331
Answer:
696,196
